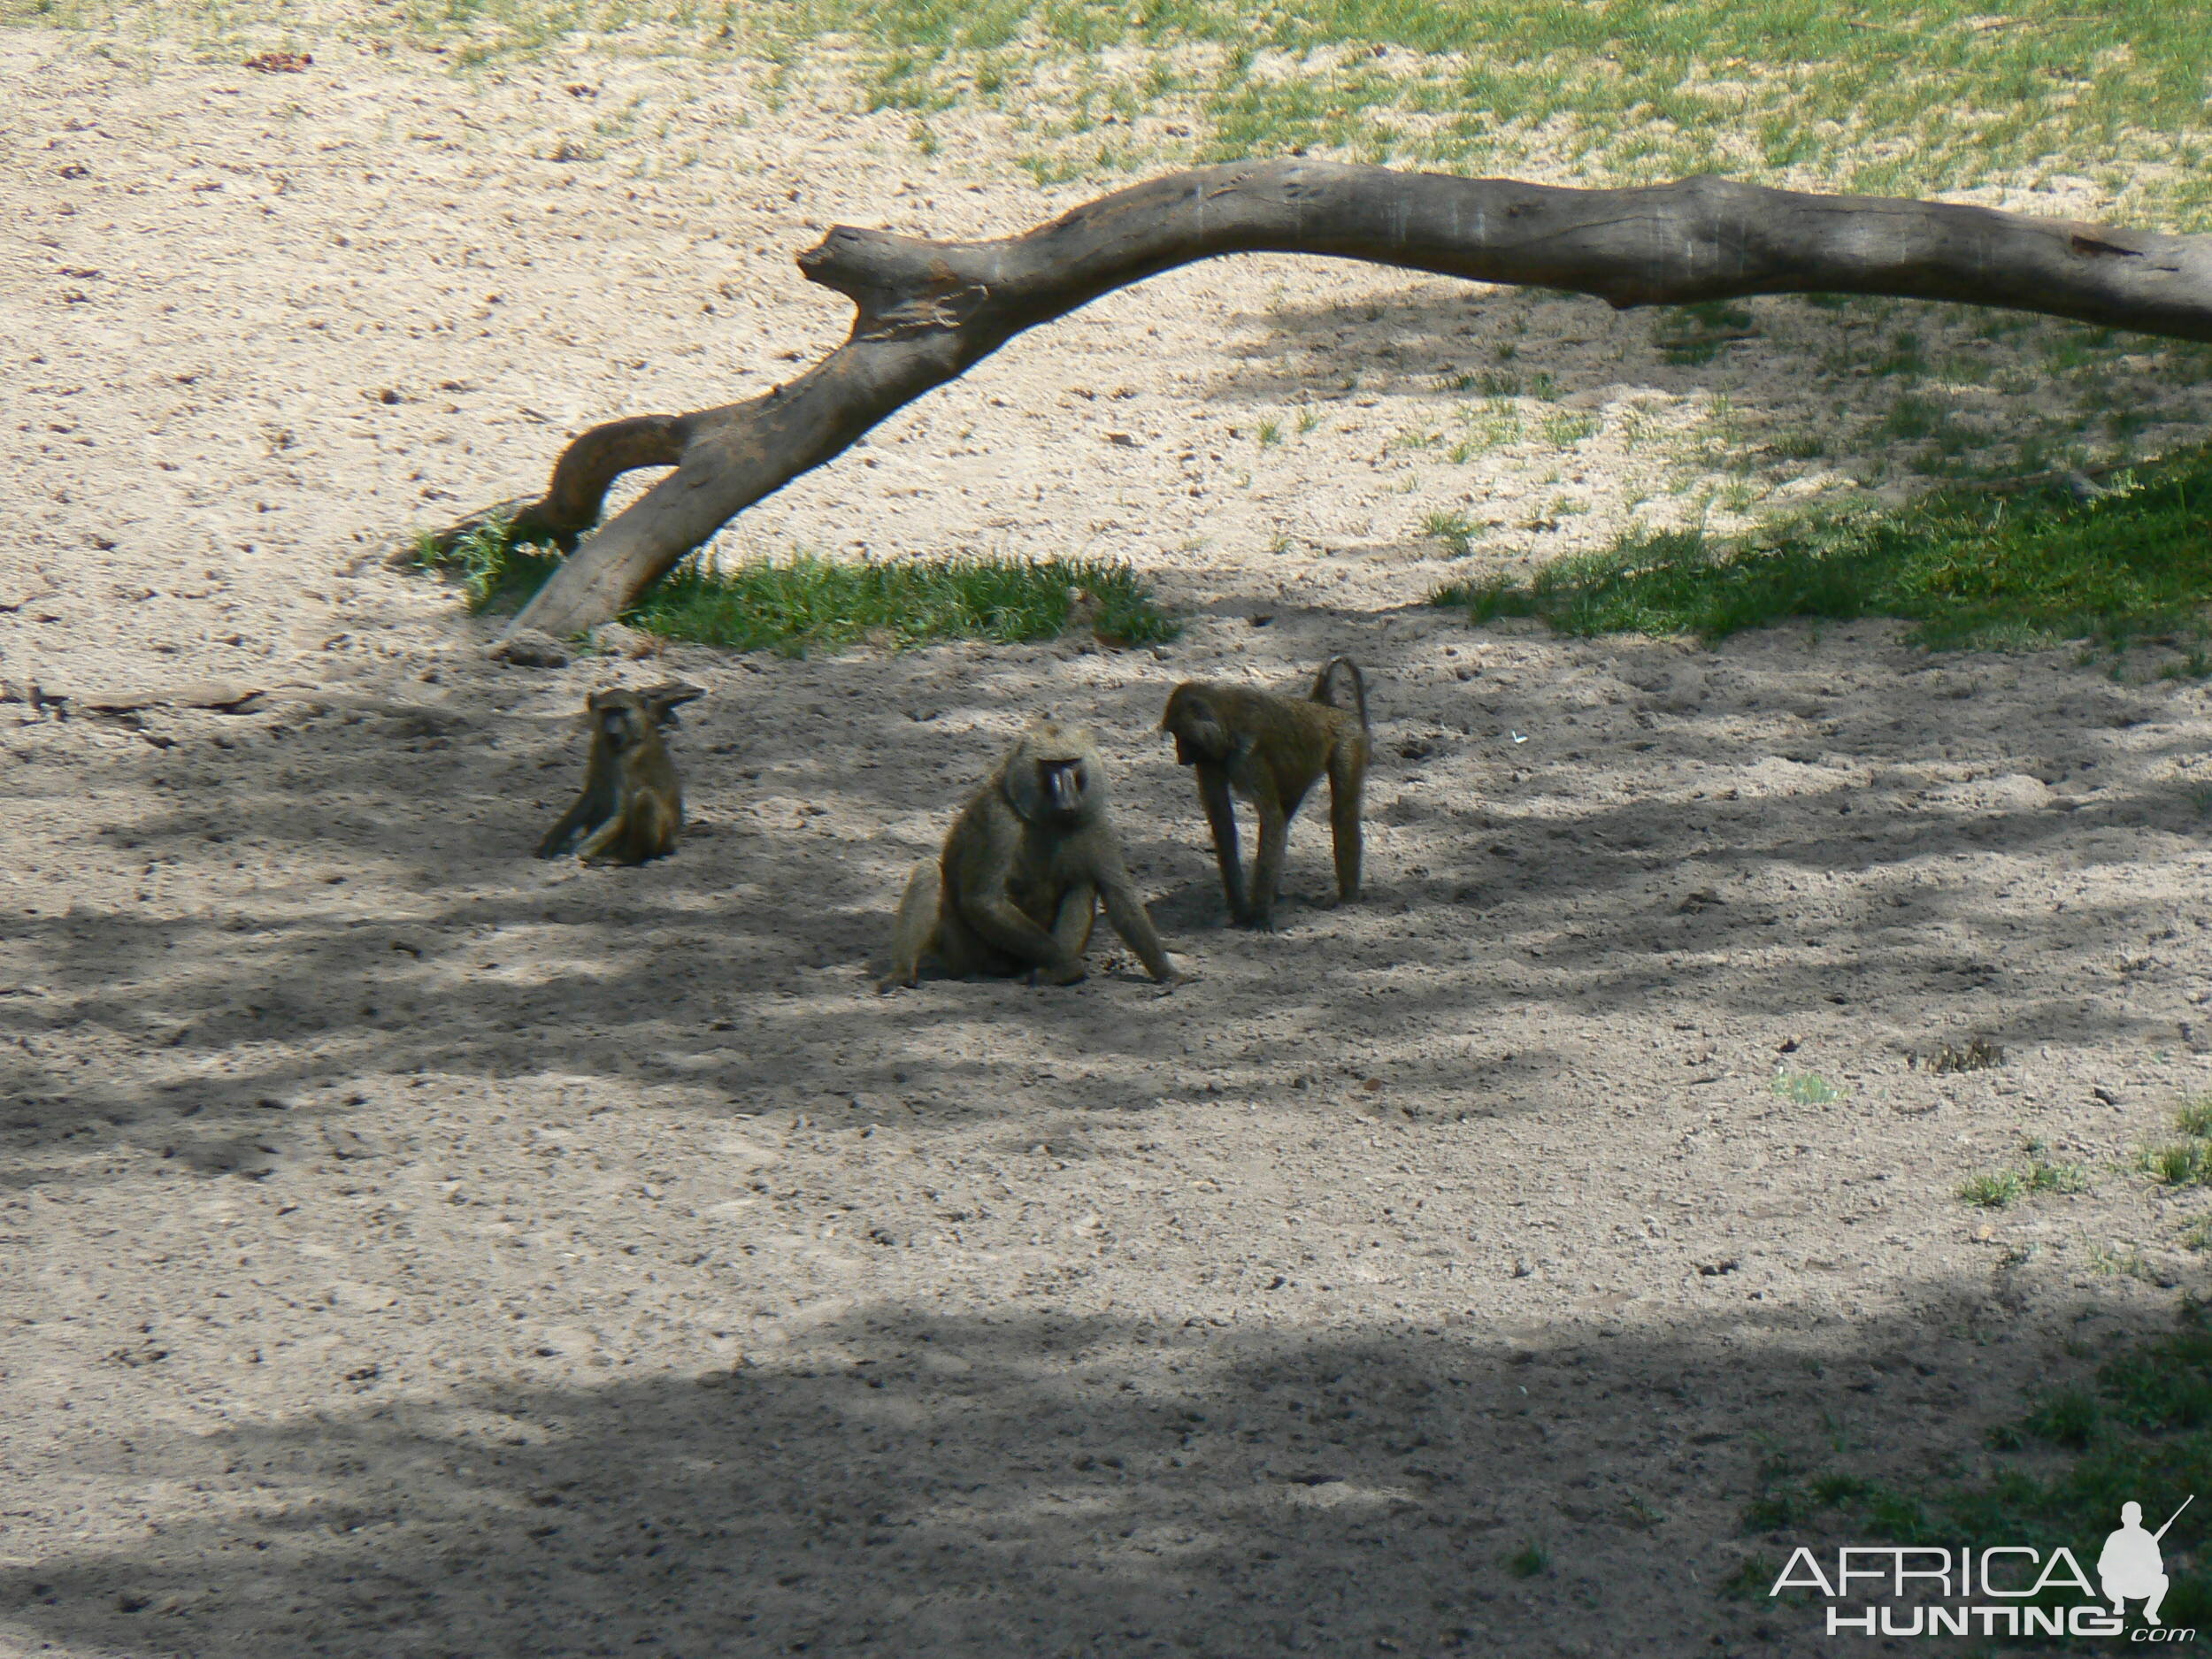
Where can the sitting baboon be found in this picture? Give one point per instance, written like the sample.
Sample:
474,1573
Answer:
632,808
1023,869
1272,750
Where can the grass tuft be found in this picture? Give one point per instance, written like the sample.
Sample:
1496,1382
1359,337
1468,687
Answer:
1454,530
2187,1162
1994,1189
1531,1561
1803,1088
2024,572
807,603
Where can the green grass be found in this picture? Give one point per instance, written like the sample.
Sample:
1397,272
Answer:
1794,90
2187,1162
1531,1561
2023,570
1993,1190
2186,1165
2141,1433
1455,530
1803,1088
1695,334
807,603
1564,431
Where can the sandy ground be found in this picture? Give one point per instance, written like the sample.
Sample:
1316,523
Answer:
418,1249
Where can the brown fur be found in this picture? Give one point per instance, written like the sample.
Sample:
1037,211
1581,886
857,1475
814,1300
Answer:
632,808
1272,749
1022,871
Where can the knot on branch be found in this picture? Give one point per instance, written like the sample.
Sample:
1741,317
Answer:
925,313
2082,243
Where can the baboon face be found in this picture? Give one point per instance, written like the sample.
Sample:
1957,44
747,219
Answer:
620,717
1050,779
1064,783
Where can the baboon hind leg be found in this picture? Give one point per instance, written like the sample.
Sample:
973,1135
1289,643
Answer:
610,843
916,929
1347,775
644,830
586,815
1077,915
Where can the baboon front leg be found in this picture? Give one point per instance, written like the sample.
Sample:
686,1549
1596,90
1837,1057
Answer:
1125,910
1221,819
1347,776
1267,862
915,928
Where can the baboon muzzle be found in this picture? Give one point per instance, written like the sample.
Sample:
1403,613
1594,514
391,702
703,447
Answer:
1064,786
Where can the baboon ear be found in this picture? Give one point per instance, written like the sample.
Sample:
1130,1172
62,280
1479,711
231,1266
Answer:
1025,788
664,699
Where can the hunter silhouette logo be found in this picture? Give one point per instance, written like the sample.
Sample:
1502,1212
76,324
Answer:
2130,1565
2003,1590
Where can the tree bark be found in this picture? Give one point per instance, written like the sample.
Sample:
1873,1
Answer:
925,311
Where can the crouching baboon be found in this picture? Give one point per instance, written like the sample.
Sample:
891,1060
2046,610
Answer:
1023,869
632,804
1270,750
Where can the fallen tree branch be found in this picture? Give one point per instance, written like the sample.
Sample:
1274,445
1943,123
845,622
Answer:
925,311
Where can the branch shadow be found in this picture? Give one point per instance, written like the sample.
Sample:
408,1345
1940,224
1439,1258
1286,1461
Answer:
1939,390
905,1481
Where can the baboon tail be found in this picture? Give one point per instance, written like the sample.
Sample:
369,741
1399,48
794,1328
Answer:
1328,687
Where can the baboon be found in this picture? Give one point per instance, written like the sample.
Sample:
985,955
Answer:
1270,750
632,803
1023,869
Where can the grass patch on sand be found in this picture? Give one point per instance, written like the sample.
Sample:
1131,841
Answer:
807,603
2018,572
1994,1189
2188,1161
2141,1433
1884,97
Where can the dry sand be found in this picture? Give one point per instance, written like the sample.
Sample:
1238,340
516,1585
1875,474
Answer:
418,1249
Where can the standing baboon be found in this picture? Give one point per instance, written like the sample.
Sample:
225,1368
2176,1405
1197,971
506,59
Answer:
1023,869
632,803
1270,750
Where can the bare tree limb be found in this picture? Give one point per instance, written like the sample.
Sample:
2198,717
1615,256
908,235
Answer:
925,311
